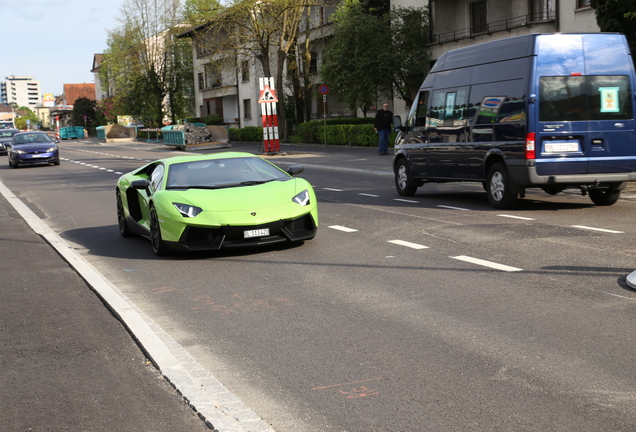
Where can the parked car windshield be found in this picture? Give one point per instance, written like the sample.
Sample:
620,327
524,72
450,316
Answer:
222,173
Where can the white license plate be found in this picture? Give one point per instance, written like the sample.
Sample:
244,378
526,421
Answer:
256,233
561,147
38,156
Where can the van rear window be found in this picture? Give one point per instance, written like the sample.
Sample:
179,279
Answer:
577,98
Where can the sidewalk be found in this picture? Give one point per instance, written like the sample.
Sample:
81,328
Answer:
66,363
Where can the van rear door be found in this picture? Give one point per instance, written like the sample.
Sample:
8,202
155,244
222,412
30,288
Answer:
586,121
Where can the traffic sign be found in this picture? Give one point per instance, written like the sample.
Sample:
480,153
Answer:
324,89
267,95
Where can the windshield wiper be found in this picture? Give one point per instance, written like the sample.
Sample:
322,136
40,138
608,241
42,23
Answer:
255,182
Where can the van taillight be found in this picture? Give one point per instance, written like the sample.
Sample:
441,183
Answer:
530,153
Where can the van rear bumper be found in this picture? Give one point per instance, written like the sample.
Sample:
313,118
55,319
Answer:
524,174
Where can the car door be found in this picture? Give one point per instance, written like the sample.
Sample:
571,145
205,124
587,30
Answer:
416,139
144,196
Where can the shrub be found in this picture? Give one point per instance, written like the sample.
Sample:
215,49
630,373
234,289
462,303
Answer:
249,134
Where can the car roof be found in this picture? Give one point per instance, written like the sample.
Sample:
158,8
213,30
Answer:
32,132
209,156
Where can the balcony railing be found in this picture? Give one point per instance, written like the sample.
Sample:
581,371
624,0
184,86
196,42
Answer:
494,26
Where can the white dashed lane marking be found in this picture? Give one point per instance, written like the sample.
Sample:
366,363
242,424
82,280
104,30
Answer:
452,208
405,200
342,228
408,244
597,229
485,263
516,217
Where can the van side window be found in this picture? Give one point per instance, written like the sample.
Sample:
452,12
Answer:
448,115
577,98
418,112
498,111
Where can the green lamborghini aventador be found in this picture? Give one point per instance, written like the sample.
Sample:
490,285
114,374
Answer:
214,201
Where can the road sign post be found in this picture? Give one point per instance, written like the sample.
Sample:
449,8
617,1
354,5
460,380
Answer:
268,99
324,90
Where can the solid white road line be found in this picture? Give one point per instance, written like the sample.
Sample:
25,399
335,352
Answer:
408,244
485,263
341,228
597,229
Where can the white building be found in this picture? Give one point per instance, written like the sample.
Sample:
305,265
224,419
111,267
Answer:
21,90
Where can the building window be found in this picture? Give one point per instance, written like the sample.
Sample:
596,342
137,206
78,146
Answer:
313,63
580,4
201,81
247,109
541,10
478,17
245,71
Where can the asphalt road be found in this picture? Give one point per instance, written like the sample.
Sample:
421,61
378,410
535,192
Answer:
431,313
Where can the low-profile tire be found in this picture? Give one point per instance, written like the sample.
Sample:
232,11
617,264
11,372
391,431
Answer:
404,182
121,218
13,164
498,187
604,197
158,246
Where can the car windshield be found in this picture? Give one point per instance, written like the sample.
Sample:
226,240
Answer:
219,173
31,138
7,133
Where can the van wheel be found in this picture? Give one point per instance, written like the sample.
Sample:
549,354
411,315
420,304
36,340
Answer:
498,187
404,182
604,197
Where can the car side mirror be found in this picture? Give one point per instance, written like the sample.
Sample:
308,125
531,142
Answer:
140,184
397,123
295,170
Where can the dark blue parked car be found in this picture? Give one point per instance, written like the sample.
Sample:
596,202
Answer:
28,148
549,111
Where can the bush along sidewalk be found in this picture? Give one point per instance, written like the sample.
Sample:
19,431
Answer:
339,132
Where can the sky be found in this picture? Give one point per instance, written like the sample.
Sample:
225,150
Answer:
54,41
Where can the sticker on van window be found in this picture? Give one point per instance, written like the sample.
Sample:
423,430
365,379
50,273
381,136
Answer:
450,104
609,99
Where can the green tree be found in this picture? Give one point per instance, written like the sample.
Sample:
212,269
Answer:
147,68
617,16
356,62
265,30
27,114
84,107
376,51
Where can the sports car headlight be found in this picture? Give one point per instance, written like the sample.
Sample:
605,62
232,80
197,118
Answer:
52,149
187,210
302,198
19,152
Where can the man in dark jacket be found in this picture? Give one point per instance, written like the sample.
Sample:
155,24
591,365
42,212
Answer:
382,125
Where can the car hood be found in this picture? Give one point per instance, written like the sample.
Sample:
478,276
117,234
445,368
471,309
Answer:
254,197
33,147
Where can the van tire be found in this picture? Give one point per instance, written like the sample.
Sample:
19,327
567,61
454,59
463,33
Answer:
604,197
404,182
498,187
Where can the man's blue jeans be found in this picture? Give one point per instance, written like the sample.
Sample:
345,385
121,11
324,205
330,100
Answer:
383,144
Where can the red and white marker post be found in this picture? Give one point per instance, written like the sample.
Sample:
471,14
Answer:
268,99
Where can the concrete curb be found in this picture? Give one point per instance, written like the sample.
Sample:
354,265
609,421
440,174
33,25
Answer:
214,403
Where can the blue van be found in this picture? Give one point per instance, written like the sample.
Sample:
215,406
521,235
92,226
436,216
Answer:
549,111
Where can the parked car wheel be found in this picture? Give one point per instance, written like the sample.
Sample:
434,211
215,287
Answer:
404,182
604,197
498,187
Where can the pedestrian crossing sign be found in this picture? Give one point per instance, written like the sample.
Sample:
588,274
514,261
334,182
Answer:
267,95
